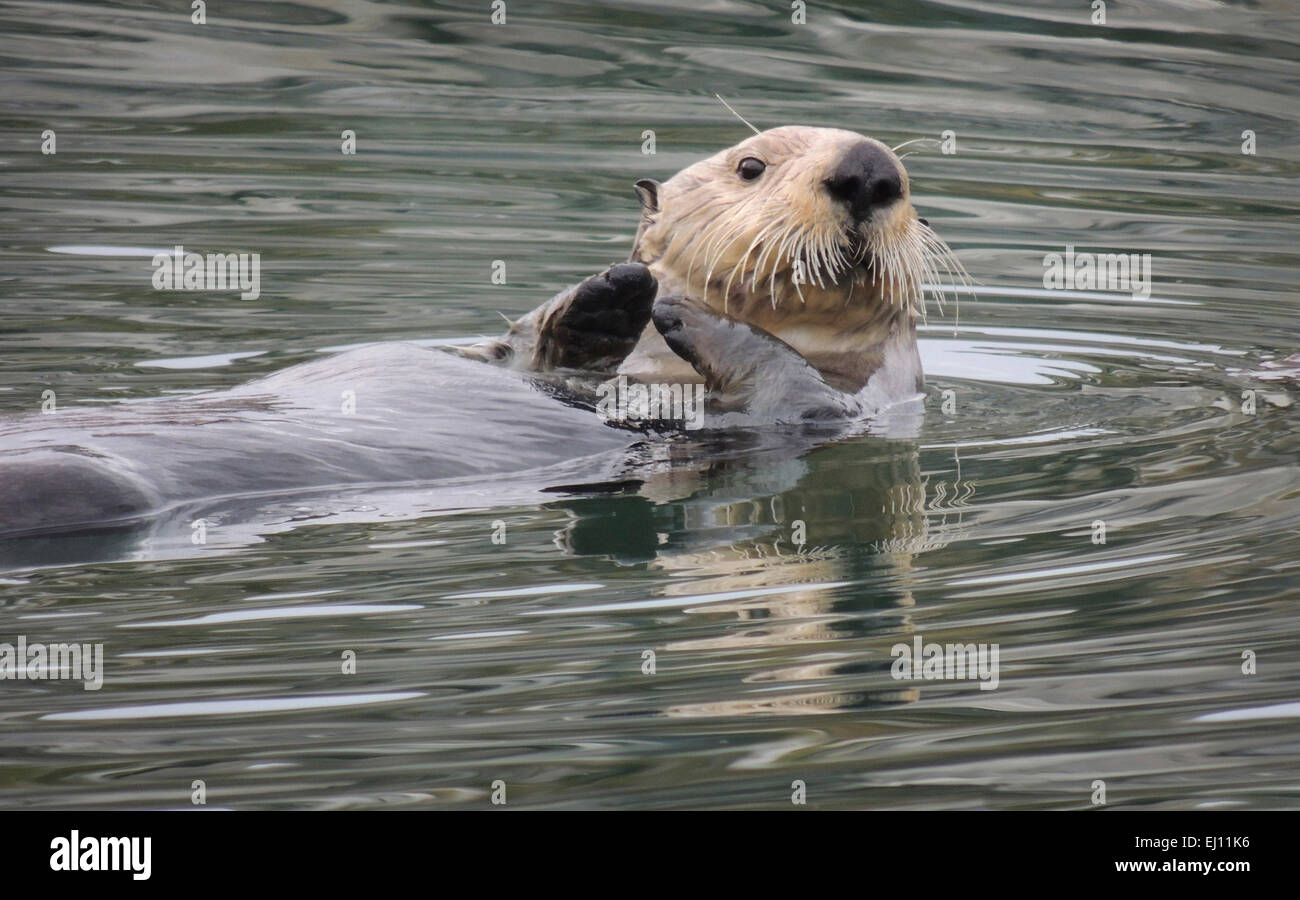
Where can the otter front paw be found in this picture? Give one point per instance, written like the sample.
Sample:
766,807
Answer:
746,369
597,323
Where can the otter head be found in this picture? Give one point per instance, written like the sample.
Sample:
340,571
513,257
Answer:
808,233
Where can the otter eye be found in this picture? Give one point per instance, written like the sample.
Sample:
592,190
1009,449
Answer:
750,168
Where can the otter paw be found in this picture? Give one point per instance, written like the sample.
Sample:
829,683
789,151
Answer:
597,323
746,369
694,332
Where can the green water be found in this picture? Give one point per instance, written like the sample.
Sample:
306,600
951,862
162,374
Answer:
523,662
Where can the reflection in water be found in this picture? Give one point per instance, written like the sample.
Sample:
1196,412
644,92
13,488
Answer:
743,537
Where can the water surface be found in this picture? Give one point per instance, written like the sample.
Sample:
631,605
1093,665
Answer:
1120,661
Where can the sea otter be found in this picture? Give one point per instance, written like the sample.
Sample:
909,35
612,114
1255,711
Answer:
784,272
805,233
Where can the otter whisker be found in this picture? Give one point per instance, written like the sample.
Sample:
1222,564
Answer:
831,260
921,140
891,273
938,253
708,277
931,265
912,261
712,236
724,239
760,239
739,267
781,254
715,258
778,254
771,250
704,238
765,240
776,267
736,114
761,244
811,257
798,289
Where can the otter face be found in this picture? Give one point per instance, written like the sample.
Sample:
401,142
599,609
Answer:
790,225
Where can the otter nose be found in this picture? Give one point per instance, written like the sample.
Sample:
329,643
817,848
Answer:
864,179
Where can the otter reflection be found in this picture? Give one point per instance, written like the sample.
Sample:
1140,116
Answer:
724,534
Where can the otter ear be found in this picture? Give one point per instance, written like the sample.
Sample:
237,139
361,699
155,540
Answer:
647,190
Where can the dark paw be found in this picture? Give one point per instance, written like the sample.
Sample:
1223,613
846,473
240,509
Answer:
630,280
616,303
600,323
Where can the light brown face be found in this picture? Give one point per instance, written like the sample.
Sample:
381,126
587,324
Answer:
790,224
